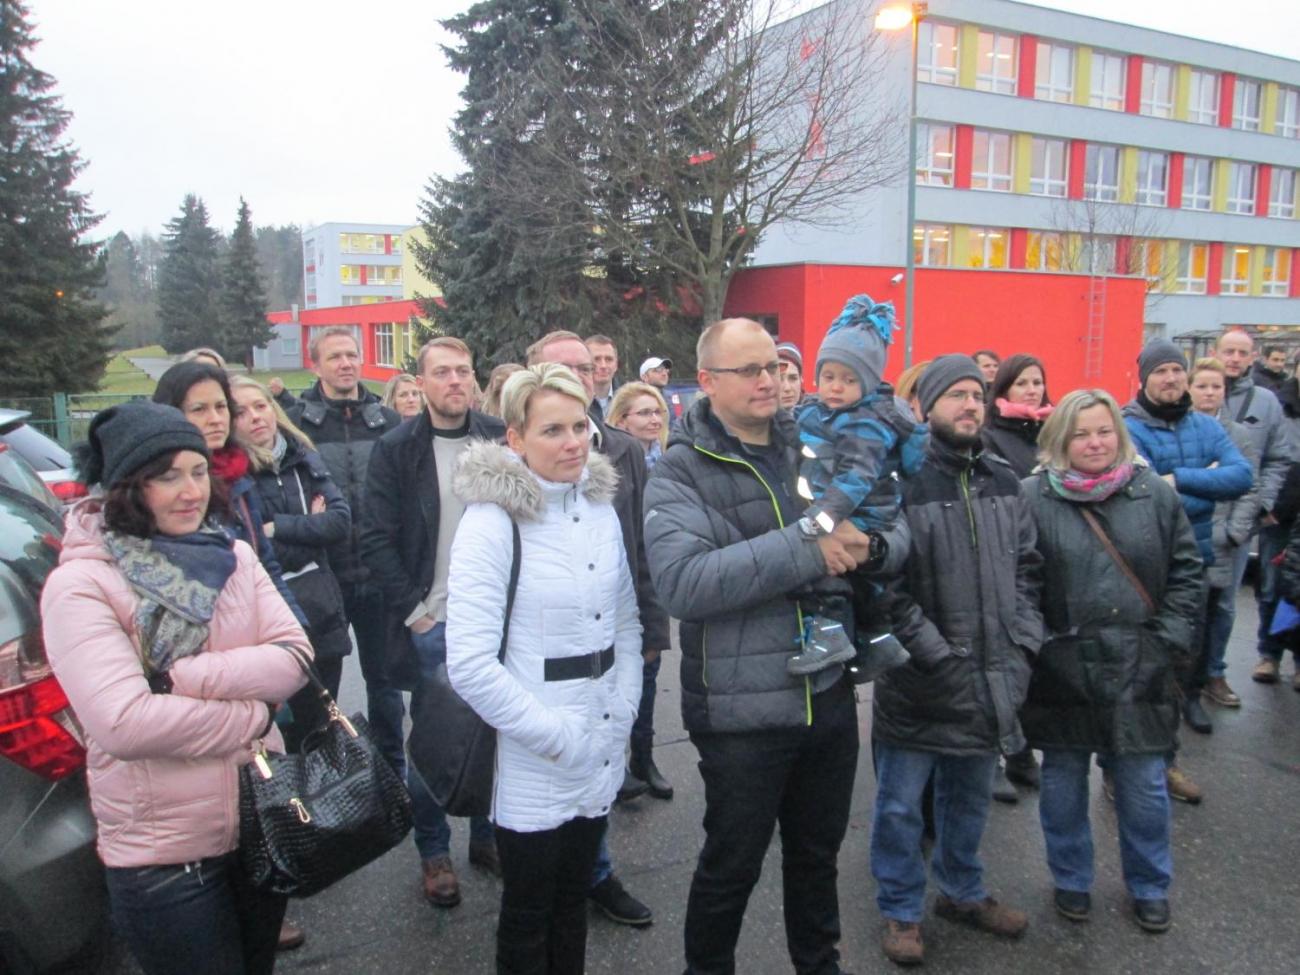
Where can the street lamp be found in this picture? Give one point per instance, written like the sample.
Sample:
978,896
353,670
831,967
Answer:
892,17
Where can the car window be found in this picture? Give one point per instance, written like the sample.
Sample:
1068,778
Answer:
37,449
16,473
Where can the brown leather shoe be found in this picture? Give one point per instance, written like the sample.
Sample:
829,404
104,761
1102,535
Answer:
902,942
441,888
1181,786
484,856
986,915
1218,691
1266,671
291,937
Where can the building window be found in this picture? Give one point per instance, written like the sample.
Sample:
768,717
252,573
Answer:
1050,171
291,346
384,345
1054,72
362,243
930,244
1288,113
1277,272
996,68
1203,98
1147,258
1193,262
991,162
936,53
1097,254
1198,183
934,154
1107,86
1241,187
1157,89
1045,251
1245,105
1281,193
1101,178
988,246
1152,178
349,274
1236,269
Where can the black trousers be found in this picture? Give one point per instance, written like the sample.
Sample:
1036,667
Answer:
802,779
545,875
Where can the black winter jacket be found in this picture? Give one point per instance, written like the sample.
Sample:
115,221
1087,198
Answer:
967,610
345,432
726,563
1104,680
1015,441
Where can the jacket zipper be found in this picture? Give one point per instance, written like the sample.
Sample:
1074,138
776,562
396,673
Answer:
776,507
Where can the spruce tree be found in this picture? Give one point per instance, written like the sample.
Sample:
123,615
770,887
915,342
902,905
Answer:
189,279
52,337
243,323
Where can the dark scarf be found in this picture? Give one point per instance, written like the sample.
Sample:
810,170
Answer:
178,579
1171,413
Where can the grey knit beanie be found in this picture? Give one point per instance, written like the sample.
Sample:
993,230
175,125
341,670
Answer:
124,438
942,374
1155,354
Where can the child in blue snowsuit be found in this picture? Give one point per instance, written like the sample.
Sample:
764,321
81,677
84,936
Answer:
857,440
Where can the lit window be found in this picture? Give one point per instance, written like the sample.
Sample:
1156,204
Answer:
1054,72
1277,272
349,274
1203,98
1288,113
1107,86
396,246
930,243
384,345
1281,193
1045,251
1236,269
1147,258
1241,187
1097,255
991,162
1157,89
1049,173
1198,183
1245,105
1193,262
996,68
1152,178
936,53
1101,177
934,154
988,246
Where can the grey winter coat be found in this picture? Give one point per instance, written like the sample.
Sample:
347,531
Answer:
1234,521
1104,680
726,563
967,611
1259,412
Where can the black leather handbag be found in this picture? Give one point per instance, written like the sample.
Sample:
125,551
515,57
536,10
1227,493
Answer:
451,747
309,819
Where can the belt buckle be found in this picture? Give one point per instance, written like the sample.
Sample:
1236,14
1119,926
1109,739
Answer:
595,665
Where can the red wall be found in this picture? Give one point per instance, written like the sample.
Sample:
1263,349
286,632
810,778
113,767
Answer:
959,310
367,316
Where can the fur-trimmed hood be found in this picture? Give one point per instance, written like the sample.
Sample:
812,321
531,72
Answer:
490,473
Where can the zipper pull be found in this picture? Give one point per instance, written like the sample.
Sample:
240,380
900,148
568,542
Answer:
263,766
296,805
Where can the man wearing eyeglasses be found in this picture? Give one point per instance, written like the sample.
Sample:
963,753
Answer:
728,546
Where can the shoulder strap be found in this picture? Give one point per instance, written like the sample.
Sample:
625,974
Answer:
1245,404
513,586
1114,553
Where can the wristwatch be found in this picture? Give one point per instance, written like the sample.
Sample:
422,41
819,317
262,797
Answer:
815,526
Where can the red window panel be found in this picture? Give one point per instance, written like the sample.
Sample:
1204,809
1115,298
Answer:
1123,255
1227,89
1028,75
1019,247
1078,166
1214,271
388,243
363,273
1263,177
1295,272
963,150
1174,198
1133,86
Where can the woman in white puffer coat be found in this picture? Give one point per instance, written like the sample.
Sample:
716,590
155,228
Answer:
564,700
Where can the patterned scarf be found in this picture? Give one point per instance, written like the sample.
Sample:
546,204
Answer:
178,579
1073,485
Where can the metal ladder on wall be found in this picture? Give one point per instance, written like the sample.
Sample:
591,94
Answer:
1095,337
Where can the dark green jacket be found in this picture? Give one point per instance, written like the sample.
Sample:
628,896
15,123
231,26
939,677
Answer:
1104,680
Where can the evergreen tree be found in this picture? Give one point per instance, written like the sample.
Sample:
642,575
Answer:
279,249
243,324
52,337
189,279
129,295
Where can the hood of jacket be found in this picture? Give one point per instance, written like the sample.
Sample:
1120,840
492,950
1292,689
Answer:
490,473
83,532
699,426
1139,412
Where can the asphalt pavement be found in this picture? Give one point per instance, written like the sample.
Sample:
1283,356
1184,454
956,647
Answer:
1235,898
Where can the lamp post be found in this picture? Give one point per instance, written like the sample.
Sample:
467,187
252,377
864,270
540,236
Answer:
892,17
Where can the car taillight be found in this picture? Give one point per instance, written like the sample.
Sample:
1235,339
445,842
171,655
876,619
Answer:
68,491
37,728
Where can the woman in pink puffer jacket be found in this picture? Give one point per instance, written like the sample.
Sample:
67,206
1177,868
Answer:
175,649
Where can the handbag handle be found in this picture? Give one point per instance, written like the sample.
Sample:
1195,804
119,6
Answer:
515,547
313,678
1118,559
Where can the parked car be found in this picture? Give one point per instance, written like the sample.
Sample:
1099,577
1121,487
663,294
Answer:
53,902
50,460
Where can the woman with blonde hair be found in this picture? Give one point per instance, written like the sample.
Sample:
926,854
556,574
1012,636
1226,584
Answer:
1121,593
497,379
905,388
566,689
639,409
403,395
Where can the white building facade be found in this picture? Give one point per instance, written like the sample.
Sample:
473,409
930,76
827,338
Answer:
352,264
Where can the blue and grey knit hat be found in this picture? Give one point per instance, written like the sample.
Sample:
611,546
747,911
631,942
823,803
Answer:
859,339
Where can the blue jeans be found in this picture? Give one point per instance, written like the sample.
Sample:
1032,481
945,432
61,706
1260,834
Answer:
1141,809
603,867
963,790
384,708
643,728
1221,613
198,918
432,833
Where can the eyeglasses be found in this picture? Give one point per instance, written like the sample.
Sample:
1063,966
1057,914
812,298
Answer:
646,414
750,371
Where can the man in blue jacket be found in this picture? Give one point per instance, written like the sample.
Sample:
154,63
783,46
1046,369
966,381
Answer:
1197,457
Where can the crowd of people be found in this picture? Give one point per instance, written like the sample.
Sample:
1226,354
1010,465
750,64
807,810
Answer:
1016,576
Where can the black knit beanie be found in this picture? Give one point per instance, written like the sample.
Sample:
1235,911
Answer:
1155,354
124,438
941,375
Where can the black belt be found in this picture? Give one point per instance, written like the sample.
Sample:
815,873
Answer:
591,665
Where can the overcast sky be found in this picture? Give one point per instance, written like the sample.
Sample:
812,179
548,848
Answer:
329,110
